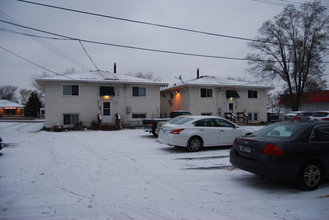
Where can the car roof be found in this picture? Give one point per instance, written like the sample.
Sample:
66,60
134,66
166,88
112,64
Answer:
296,112
202,116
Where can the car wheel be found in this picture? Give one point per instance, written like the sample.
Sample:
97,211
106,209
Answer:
154,133
194,144
310,176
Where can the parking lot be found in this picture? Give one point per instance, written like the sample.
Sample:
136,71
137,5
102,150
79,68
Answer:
128,174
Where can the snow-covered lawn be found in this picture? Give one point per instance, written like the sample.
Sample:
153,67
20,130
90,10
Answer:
128,174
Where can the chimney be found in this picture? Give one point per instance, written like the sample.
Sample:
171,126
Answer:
197,74
115,68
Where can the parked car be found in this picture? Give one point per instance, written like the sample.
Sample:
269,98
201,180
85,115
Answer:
297,116
160,123
1,143
286,150
150,124
196,132
322,115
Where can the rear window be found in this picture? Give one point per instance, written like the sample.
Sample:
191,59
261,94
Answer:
291,114
307,113
182,121
171,121
278,130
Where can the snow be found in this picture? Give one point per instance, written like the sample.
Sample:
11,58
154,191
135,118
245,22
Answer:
128,174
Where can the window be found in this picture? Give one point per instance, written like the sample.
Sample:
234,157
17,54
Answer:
205,123
224,123
206,92
71,90
107,108
320,134
70,119
139,91
139,115
252,94
253,116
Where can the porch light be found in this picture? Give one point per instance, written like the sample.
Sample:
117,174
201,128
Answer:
106,97
232,94
106,92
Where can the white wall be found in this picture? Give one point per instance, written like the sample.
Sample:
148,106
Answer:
191,100
88,103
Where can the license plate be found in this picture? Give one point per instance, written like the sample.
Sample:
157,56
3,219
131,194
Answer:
247,149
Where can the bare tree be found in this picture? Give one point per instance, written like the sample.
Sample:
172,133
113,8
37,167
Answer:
274,103
46,75
8,92
24,95
34,80
69,71
291,48
149,76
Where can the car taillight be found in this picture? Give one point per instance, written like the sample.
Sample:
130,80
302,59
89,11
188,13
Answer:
325,119
176,131
297,117
272,149
234,144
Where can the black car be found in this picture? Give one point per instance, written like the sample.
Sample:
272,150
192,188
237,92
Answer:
286,150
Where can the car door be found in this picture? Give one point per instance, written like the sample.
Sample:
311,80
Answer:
320,142
207,129
227,131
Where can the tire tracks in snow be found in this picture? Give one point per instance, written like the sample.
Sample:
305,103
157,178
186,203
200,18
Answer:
195,165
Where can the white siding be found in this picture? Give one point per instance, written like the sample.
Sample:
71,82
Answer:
191,100
88,103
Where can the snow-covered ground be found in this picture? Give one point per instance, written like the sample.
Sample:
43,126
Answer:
128,174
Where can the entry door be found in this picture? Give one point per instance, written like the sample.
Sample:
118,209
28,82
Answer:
106,111
231,107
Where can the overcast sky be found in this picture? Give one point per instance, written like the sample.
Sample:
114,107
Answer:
238,18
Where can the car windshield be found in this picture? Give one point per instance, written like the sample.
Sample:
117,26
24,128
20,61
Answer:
320,114
182,121
278,130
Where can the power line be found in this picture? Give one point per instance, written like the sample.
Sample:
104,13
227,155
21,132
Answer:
88,55
31,35
162,25
139,22
45,44
283,3
29,61
132,47
128,47
35,64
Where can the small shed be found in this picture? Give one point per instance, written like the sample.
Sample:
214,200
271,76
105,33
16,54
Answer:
10,109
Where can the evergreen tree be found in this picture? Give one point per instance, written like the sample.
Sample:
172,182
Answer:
32,106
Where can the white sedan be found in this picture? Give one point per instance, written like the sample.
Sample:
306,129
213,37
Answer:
196,132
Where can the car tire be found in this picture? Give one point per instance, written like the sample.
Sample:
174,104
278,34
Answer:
154,133
310,176
194,144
